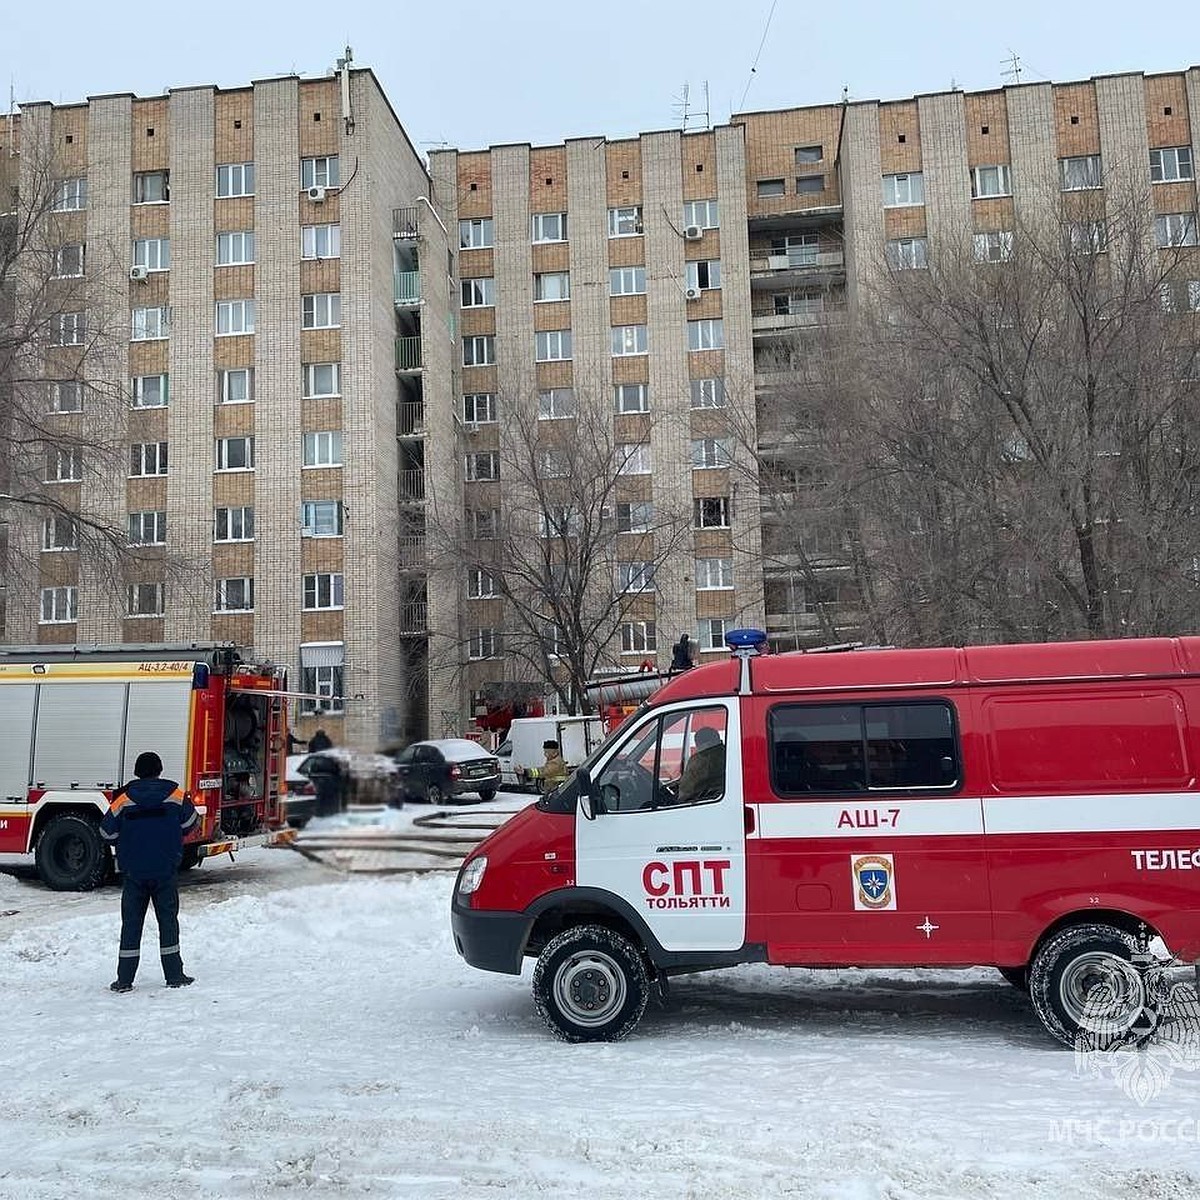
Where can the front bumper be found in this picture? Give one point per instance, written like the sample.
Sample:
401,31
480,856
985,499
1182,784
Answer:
491,941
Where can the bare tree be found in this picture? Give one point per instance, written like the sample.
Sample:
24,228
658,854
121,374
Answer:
572,549
1009,440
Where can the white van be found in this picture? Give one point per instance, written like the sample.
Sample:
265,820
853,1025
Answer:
522,747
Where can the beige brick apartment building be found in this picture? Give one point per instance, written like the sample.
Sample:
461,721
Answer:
678,270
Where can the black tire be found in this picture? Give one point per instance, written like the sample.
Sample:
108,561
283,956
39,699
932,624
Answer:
298,822
487,795
1083,984
191,858
591,985
434,794
71,855
1017,976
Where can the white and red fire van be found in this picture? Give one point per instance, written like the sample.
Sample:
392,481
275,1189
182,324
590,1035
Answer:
1030,807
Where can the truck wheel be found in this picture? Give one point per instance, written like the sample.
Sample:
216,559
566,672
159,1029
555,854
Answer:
590,985
487,795
1084,985
71,855
1017,976
191,858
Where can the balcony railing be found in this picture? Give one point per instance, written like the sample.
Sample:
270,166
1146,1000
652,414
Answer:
411,484
799,258
411,552
414,618
412,419
408,353
405,223
408,287
770,322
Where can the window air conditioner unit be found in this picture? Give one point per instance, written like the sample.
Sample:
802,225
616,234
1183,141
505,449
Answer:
692,293
693,233
139,274
317,194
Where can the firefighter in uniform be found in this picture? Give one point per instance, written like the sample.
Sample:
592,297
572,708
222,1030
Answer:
146,822
552,772
704,776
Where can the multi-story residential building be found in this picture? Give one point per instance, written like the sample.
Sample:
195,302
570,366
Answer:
330,347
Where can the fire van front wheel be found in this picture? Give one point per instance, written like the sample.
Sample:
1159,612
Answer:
71,856
591,985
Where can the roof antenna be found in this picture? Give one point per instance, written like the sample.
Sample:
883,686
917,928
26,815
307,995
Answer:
1014,66
344,65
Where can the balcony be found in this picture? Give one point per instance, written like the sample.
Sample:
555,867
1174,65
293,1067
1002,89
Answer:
411,553
412,419
408,289
408,354
414,618
405,223
775,323
801,266
411,485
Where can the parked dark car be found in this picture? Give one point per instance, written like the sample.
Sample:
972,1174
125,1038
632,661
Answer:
445,768
300,806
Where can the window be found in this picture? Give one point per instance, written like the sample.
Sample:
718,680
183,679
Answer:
704,274
234,317
233,525
148,528
321,667
903,191
635,517
714,574
635,576
482,643
706,335
800,249
1087,237
60,533
711,512
708,393
479,408
320,241
478,293
631,398
1169,165
560,521
712,634
710,453
555,404
234,454
322,591
633,458
908,254
1080,173
235,179
1193,295
68,261
64,465
235,386
144,600
151,187
66,396
68,329
151,324
482,466
704,214
554,463
484,523
322,310
321,379
767,188
862,747
810,185
480,584
809,154
552,285
322,171
627,281
1175,229
70,195
59,605
321,518
549,227
235,248
479,351
149,391
794,304
638,637
991,181
993,247
154,254
234,595
625,221
475,235
552,345
323,449
148,458
628,340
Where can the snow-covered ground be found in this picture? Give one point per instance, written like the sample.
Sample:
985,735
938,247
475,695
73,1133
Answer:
335,1045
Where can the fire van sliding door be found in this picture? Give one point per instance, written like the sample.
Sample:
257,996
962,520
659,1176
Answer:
16,704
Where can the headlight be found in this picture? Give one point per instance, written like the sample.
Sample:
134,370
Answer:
472,875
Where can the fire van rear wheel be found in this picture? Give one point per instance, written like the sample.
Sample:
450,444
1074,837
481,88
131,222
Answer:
590,985
71,855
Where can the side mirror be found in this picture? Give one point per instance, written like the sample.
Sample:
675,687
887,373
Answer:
588,800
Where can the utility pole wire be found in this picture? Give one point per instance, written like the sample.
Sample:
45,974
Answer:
754,65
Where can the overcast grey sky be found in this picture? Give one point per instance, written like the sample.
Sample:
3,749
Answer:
473,72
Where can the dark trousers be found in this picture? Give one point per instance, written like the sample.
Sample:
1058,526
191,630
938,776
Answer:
136,896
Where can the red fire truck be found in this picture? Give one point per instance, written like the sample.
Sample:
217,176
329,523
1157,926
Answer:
1030,807
74,718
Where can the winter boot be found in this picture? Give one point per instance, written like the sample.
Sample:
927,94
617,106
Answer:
180,981
119,985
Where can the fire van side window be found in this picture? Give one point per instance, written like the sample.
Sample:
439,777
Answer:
824,748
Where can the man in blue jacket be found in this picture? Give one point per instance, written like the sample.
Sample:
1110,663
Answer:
146,821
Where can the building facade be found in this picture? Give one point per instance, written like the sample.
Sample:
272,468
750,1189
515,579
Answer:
340,377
